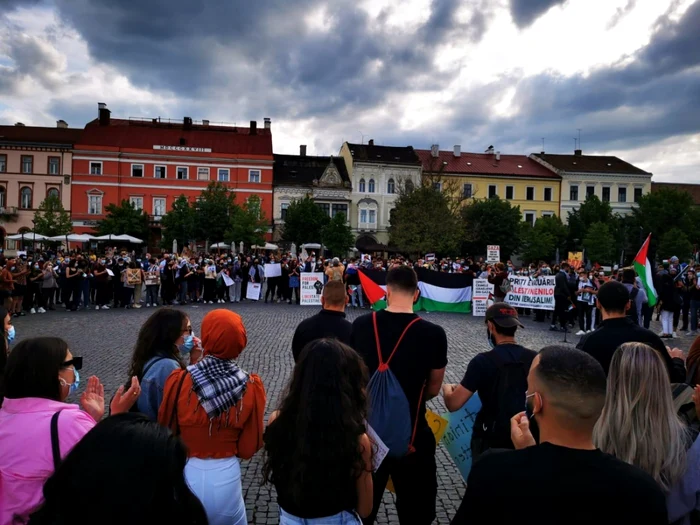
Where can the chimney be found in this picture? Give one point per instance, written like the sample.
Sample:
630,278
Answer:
253,127
19,124
435,151
187,123
104,113
578,152
498,155
205,122
458,150
371,142
302,150
268,123
62,124
489,150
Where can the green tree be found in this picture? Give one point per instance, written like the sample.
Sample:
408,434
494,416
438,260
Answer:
580,220
599,244
540,242
422,222
124,219
675,242
51,219
213,212
247,223
491,221
304,222
179,223
337,236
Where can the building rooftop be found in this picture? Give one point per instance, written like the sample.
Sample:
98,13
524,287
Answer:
693,189
298,170
383,154
483,164
39,135
590,164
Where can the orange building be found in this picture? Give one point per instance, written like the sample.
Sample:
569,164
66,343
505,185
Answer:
151,162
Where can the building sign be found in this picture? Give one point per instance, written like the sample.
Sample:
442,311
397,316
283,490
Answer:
183,148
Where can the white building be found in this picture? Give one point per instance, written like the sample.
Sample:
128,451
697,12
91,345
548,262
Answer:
377,173
609,178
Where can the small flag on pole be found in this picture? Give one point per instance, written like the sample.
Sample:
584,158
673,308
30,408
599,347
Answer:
643,268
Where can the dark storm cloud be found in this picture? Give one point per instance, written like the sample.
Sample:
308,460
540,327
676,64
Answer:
525,12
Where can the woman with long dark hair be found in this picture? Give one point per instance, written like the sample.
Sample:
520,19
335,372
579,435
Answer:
318,455
128,469
165,343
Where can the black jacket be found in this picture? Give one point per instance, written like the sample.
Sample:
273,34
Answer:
326,323
561,284
612,333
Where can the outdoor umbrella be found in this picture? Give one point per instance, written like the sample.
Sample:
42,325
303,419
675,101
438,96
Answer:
312,245
269,246
72,237
127,238
27,235
220,245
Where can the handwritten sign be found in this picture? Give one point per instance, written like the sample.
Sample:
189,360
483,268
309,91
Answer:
526,292
483,289
133,276
493,253
458,437
311,285
273,270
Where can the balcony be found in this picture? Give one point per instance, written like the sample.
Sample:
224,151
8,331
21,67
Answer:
368,226
8,213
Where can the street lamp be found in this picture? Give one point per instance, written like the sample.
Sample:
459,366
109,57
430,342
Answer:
34,238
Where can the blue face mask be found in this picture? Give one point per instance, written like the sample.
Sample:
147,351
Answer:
188,345
11,334
73,388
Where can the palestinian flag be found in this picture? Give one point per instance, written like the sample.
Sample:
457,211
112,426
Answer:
439,291
643,269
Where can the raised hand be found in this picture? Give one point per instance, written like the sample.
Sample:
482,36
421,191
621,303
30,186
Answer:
520,431
93,399
123,401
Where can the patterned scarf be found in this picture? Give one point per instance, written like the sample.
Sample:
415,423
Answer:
218,383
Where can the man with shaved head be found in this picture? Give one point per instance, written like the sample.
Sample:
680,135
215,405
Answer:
564,478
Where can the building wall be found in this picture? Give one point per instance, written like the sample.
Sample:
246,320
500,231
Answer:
287,194
40,182
598,182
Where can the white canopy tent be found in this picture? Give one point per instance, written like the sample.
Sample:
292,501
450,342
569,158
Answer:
268,246
311,245
28,236
122,238
220,245
72,237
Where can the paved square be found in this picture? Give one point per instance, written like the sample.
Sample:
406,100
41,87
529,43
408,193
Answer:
106,339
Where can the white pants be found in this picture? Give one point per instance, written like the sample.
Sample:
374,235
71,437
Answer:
234,292
667,322
217,484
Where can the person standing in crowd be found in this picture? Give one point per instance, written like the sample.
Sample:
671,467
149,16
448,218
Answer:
637,295
330,322
40,374
324,411
585,296
352,278
112,452
669,299
283,283
566,393
245,276
209,282
35,298
152,282
169,281
294,283
218,410
48,286
562,300
500,378
234,291
418,362
19,276
72,290
6,283
639,426
271,284
694,301
498,277
616,328
335,271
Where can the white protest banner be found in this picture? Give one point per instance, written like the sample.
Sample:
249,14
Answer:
493,253
482,290
526,292
227,280
379,449
273,270
311,286
253,292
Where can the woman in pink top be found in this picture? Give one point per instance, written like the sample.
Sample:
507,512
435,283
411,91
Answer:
39,376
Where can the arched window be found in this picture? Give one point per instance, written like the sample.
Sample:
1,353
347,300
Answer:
390,186
2,196
53,192
409,186
25,198
362,186
371,185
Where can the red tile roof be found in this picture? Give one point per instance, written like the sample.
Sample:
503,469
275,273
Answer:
590,164
39,135
484,164
693,189
136,134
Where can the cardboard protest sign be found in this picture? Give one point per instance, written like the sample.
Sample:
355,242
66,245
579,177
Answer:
458,437
493,253
273,270
133,276
152,278
311,286
253,292
526,292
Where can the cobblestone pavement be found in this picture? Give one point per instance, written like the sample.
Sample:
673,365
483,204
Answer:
105,339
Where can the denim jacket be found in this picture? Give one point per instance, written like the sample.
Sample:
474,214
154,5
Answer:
153,383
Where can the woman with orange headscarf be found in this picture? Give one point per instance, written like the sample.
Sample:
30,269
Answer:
217,409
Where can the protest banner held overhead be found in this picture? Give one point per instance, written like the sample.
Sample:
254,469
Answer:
526,292
311,286
493,253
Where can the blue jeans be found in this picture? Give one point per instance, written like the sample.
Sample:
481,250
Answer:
694,308
86,292
183,292
357,295
342,518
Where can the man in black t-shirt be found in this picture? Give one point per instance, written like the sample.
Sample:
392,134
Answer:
500,378
564,479
419,366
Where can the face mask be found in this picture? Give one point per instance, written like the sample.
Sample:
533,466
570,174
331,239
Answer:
73,388
528,411
103,262
188,345
67,261
11,334
489,338
36,266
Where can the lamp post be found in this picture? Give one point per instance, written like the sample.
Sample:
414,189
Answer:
34,234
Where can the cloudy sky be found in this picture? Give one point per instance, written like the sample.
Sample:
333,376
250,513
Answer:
470,72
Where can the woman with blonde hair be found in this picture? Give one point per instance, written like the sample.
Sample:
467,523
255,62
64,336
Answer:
639,425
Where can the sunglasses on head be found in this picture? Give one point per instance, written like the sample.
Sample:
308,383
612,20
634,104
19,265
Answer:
76,362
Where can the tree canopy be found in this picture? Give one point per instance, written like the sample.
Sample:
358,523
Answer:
540,242
675,242
213,212
337,236
124,219
599,243
51,218
580,220
248,223
491,221
178,223
304,222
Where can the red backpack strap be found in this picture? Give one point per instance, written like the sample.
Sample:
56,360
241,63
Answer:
376,339
411,448
383,366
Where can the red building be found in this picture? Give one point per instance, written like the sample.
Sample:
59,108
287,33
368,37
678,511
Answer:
151,163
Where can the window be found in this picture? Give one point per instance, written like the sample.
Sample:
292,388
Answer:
606,193
326,207
372,216
590,191
339,208
137,170
182,172
95,204
25,198
370,188
2,196
547,214
27,164
637,193
492,191
510,192
136,202
530,218
54,165
53,192
3,163
548,194
362,186
95,168
160,172
363,216
284,207
223,175
437,186
621,194
202,173
409,186
159,206
530,193
573,193
391,186
254,176
467,191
